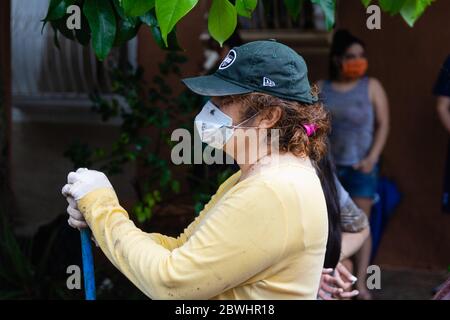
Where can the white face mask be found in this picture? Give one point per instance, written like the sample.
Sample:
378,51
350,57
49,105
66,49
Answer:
215,127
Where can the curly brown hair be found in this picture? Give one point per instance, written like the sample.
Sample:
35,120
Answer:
294,115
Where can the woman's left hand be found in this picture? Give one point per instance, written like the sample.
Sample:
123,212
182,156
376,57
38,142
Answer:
334,283
366,165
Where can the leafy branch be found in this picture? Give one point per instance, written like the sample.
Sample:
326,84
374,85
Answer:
111,23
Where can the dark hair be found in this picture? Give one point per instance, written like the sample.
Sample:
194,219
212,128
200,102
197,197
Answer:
342,40
325,171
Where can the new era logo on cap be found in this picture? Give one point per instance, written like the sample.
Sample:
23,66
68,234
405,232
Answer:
268,82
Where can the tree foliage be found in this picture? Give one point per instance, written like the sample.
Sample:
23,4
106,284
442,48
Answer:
110,23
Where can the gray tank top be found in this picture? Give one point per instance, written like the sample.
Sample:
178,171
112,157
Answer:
352,120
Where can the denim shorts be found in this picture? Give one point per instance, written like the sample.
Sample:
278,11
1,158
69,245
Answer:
358,184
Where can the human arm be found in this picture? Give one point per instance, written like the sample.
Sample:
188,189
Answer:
443,109
352,242
354,223
225,250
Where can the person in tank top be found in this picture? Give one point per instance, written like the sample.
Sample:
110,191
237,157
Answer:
359,112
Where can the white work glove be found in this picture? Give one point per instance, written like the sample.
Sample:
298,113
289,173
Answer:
79,184
76,219
84,181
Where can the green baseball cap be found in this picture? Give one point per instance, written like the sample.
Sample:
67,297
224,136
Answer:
259,66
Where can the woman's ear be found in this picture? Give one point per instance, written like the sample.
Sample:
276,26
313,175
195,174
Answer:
270,117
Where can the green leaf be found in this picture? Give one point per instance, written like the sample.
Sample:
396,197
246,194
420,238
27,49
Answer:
61,26
170,12
172,41
102,23
119,9
413,9
222,20
175,186
392,7
143,212
245,8
157,195
149,19
366,2
126,30
57,9
135,8
83,34
328,7
127,27
293,7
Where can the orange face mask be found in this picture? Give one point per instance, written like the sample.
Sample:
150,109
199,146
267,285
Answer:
354,68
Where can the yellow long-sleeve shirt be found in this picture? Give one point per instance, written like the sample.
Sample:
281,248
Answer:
261,238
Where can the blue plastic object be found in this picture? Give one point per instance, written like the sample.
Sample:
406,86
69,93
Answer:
383,209
88,264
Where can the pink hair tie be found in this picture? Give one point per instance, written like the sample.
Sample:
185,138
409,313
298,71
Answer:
310,129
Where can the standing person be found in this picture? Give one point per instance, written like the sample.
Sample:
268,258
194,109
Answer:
264,234
442,92
360,125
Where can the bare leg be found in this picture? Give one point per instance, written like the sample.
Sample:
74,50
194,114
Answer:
362,257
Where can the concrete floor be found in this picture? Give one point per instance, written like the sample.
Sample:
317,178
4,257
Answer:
403,284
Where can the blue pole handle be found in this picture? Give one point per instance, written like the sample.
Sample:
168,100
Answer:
88,264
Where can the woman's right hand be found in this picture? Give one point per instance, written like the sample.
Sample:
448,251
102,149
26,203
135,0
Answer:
79,184
366,165
76,219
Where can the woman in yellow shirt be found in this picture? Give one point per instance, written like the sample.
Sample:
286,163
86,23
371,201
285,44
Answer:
263,235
